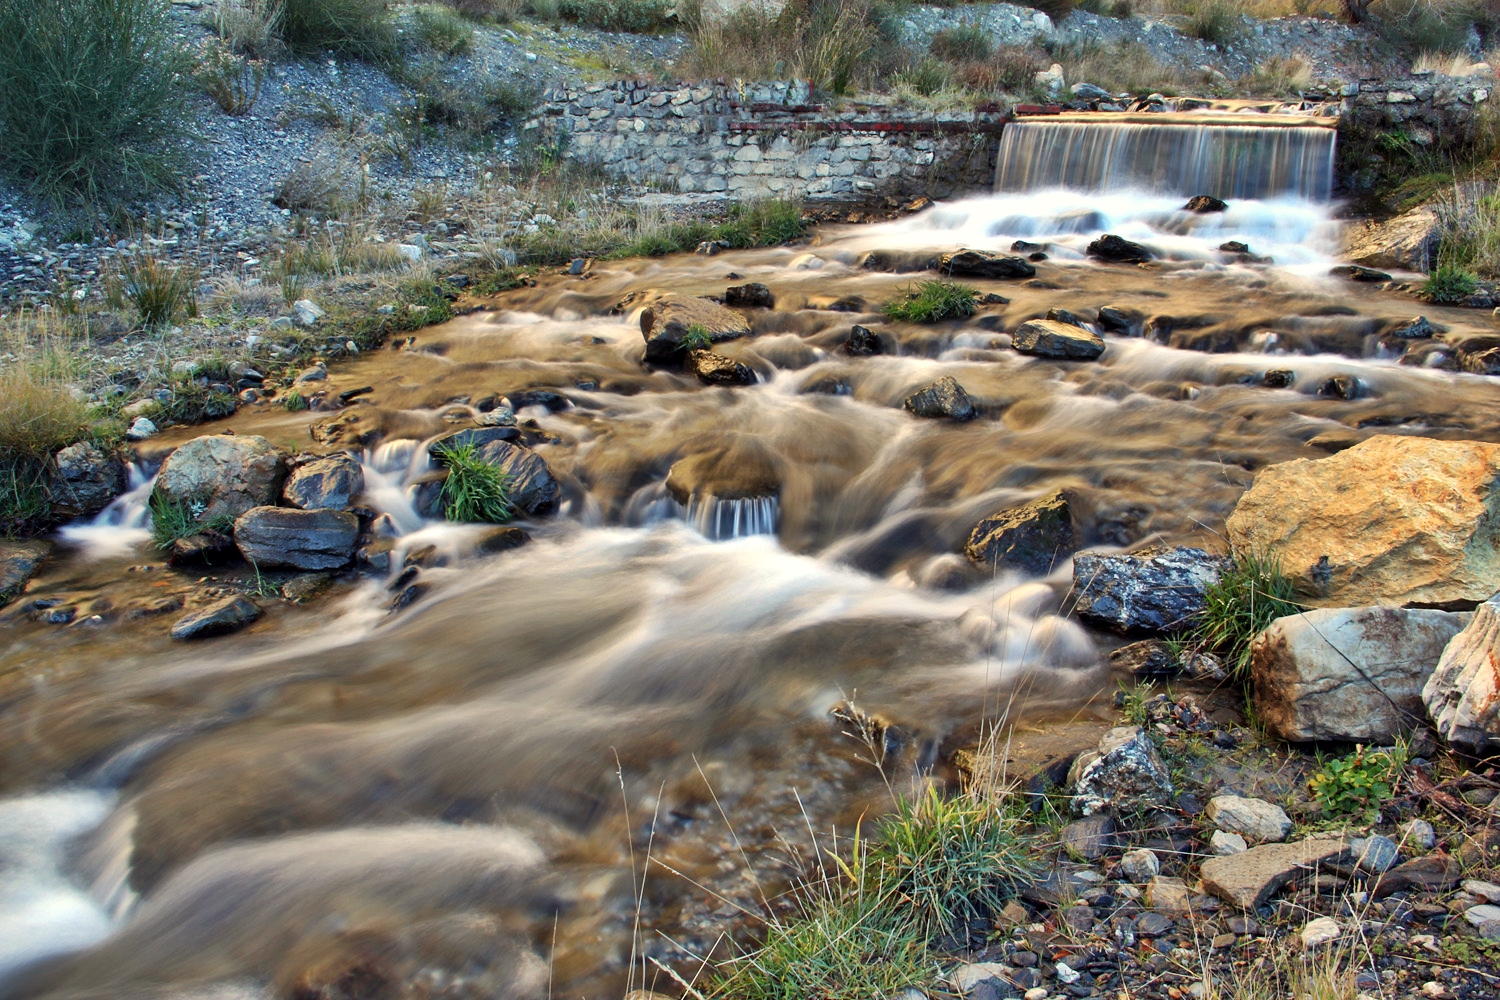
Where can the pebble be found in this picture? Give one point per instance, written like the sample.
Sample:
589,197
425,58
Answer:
1374,854
1320,931
1489,892
1483,914
1152,925
1140,866
1037,993
1419,833
1224,844
1066,973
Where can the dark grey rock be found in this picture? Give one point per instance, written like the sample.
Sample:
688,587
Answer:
1120,250
85,480
333,481
300,539
1279,378
1122,319
1416,328
1354,272
1204,204
1149,658
984,264
1088,838
1124,773
18,563
553,401
1340,387
752,295
1031,537
943,398
862,343
532,486
204,548
1155,589
219,618
1152,925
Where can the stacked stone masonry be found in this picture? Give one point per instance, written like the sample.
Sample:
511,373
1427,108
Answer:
769,139
1431,109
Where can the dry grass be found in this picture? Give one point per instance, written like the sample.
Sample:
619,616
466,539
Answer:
38,412
1446,64
1129,66
249,27
1280,76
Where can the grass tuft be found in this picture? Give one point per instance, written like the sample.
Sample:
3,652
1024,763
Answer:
1249,595
92,97
1448,284
249,27
234,82
360,28
965,43
475,491
932,302
158,292
443,30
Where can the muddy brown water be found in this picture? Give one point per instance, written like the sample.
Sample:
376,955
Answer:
460,797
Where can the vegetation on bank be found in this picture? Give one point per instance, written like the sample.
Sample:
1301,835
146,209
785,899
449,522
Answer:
1249,595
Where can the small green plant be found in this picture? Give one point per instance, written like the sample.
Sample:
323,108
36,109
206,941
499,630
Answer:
932,302
1358,782
1135,700
927,77
948,861
1249,595
442,30
360,28
294,401
234,82
474,490
1448,284
172,520
697,338
158,292
92,98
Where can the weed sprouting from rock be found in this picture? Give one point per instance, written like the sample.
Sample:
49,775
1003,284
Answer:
475,490
932,302
1250,594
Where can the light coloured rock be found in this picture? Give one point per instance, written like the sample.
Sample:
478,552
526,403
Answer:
966,977
218,477
1249,879
1482,914
1123,772
1318,932
1169,896
1048,338
1375,853
1463,693
1348,674
140,429
1487,891
666,322
1140,865
1393,521
307,312
1258,820
1408,241
1225,844
1419,834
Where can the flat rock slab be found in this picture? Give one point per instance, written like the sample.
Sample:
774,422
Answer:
1252,877
300,539
984,264
1048,338
18,562
219,618
665,324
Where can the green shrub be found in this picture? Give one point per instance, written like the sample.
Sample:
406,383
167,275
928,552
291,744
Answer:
927,77
1248,596
932,302
966,43
158,292
232,81
93,100
1358,782
697,338
474,490
1448,284
249,27
1415,26
442,30
293,401
1217,21
948,861
637,16
359,28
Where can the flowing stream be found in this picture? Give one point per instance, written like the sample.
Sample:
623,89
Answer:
457,797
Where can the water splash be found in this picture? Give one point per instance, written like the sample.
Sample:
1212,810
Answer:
117,530
739,518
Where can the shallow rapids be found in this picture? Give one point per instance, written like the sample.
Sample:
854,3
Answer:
458,795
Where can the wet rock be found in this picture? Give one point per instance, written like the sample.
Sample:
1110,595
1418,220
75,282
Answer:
1279,378
1065,316
1392,520
1258,820
1155,589
1249,879
1353,272
478,437
553,401
1050,339
665,324
1148,658
305,586
899,261
1122,319
532,487
1339,387
500,538
220,476
1408,242
1416,328
1463,693
300,539
752,295
984,264
1225,844
741,467
85,480
204,548
1031,537
1140,866
219,618
1088,838
1119,250
18,563
1123,773
1347,674
716,369
1234,246
1204,204
943,398
862,343
333,481
1318,932
1484,360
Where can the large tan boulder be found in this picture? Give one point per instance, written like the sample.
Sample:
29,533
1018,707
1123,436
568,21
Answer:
666,324
1353,675
218,477
1392,520
1408,241
1463,693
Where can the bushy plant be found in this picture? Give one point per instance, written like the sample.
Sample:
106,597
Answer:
442,30
965,43
1448,284
249,27
359,28
1358,782
1248,596
93,100
159,292
926,78
233,81
932,302
1217,21
474,490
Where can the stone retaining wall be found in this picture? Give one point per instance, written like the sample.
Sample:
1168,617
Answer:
770,139
1432,110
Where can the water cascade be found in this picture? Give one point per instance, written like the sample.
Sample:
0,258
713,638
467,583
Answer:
1289,157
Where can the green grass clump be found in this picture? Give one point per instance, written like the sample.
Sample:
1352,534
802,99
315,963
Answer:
360,28
638,16
965,43
474,490
443,30
1448,284
93,97
172,520
159,293
932,302
948,861
697,338
1248,596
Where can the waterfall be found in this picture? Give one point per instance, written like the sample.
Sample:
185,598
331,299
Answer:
723,519
1226,161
